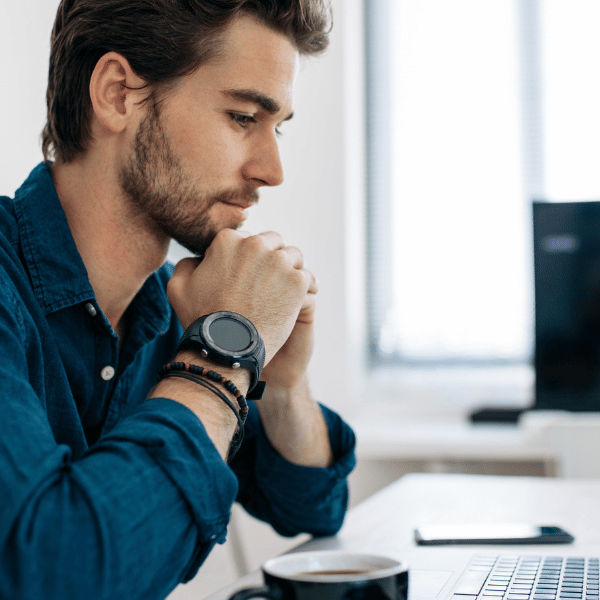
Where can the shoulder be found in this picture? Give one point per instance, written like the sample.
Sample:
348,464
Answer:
9,230
11,264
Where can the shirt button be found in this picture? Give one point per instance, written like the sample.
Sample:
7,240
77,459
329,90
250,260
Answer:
90,308
107,373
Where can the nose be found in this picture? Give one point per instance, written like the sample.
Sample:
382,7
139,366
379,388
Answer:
264,166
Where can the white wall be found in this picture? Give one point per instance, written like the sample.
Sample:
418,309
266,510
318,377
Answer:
309,209
25,29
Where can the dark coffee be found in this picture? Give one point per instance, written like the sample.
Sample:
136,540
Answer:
335,572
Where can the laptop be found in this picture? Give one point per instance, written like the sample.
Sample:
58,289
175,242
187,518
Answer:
543,573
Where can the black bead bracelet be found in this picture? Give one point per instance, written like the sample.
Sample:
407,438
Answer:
199,375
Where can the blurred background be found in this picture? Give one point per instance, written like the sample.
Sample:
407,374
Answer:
419,144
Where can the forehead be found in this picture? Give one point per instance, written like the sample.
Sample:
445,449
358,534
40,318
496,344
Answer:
254,57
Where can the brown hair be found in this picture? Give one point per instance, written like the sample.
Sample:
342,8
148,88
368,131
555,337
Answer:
162,40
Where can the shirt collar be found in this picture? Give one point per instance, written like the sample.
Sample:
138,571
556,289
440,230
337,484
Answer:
59,277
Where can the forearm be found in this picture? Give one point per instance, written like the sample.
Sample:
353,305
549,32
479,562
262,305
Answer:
149,500
216,417
295,426
293,498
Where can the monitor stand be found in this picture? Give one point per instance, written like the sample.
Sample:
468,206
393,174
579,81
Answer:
496,414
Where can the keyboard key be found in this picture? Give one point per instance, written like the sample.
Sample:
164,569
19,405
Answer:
521,586
547,585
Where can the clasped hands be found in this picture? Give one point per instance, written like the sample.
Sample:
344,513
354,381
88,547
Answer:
261,278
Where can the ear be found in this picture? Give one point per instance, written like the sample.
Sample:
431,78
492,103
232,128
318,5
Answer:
115,92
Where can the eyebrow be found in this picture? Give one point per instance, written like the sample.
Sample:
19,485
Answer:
269,105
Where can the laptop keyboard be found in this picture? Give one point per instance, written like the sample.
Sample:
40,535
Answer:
511,577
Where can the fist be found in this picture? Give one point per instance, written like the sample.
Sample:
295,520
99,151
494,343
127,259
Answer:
257,276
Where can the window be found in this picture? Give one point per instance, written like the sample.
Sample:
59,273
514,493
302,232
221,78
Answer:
475,109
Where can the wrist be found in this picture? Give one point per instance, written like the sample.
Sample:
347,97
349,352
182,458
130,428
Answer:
240,377
282,393
217,419
217,384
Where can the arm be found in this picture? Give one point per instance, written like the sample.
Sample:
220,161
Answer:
131,517
294,498
295,425
216,417
293,421
310,449
264,280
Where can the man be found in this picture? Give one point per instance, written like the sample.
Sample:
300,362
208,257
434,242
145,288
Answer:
163,118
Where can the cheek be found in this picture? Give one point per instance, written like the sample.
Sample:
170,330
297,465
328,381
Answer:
211,151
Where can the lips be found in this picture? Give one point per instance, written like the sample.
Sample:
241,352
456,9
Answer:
242,198
242,205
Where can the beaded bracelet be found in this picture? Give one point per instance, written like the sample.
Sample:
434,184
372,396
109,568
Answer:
195,374
213,376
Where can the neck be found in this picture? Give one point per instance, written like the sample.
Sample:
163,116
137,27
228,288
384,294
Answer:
119,249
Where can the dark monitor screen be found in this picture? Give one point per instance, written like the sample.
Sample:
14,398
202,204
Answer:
567,305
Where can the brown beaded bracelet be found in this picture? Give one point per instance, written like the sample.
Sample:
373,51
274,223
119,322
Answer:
213,376
197,374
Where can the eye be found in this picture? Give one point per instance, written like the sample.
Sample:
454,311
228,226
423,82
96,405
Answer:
278,132
242,120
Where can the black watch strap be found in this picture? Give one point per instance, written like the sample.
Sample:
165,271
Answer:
257,392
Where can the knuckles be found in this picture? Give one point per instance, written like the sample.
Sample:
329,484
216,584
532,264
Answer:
297,279
257,276
226,238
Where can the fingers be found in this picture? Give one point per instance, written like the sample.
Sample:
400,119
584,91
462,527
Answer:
308,308
185,267
269,241
295,260
257,276
313,286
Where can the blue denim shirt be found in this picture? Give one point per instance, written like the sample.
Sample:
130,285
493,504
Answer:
104,494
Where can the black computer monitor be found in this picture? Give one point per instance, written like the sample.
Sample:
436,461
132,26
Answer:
567,305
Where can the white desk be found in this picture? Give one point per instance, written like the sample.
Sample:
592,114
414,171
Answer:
384,524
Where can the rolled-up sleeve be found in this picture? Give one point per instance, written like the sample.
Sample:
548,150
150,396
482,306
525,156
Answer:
292,498
129,519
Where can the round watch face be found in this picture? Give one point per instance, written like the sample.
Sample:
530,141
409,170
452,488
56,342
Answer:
230,334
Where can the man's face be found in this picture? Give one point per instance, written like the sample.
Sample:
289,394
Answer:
198,161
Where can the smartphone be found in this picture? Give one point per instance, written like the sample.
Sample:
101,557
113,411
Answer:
496,533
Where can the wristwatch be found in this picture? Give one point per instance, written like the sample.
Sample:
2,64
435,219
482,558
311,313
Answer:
231,340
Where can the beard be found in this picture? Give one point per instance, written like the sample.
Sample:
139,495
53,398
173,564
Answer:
161,193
